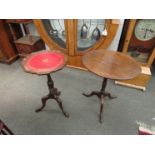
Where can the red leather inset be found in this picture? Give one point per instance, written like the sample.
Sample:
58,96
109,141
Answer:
44,61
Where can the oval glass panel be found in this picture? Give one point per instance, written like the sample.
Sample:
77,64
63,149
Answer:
89,31
55,28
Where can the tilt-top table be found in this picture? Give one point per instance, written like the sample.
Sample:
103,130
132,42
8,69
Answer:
44,63
109,65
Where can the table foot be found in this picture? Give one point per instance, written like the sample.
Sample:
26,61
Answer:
101,95
109,95
97,93
61,107
44,99
101,108
53,94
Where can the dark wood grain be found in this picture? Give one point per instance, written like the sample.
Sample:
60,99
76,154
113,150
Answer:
7,46
19,21
112,65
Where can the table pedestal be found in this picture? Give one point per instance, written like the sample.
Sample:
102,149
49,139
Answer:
53,94
101,94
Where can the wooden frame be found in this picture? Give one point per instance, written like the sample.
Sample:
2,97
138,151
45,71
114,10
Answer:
131,26
142,80
104,42
7,47
71,40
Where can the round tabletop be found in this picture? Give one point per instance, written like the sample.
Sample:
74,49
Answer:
44,62
111,64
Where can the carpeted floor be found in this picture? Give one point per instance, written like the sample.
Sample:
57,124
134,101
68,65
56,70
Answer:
20,95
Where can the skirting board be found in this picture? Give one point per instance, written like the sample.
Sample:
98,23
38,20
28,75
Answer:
130,85
139,82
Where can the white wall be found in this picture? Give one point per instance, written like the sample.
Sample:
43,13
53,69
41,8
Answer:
115,42
33,30
113,46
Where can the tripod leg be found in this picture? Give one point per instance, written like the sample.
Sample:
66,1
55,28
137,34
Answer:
101,108
61,107
109,95
97,93
44,99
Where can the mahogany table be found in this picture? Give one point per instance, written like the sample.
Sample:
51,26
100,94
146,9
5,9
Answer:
109,65
44,63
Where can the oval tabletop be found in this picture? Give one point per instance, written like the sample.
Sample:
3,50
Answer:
111,64
44,62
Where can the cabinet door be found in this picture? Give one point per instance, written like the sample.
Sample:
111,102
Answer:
90,32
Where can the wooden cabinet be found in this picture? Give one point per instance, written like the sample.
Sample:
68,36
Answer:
8,52
14,43
138,41
17,21
77,36
27,43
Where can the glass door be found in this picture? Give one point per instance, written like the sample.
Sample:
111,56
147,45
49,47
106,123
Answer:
55,29
89,32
